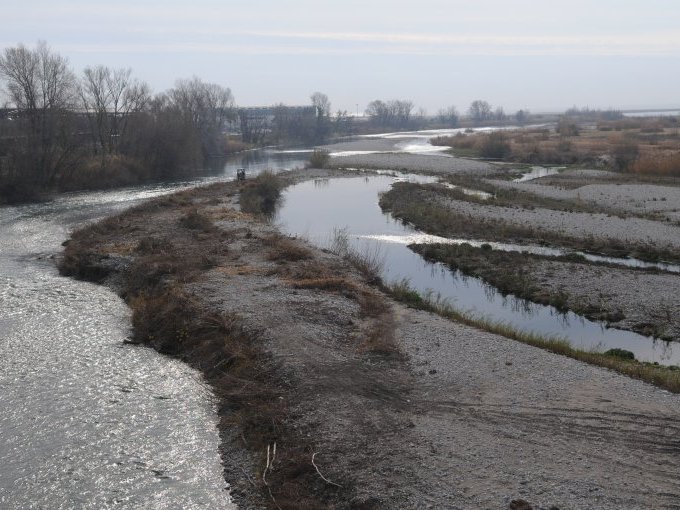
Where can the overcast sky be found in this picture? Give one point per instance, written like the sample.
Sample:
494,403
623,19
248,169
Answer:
536,54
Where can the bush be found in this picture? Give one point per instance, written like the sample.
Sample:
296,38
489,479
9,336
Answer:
567,127
495,146
625,153
620,353
319,159
197,221
668,165
259,195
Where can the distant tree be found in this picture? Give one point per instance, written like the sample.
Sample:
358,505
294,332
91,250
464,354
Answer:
344,123
566,126
400,112
521,116
448,116
207,107
499,114
378,112
480,111
322,105
394,113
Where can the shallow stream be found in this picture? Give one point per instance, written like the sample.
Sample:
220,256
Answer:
315,209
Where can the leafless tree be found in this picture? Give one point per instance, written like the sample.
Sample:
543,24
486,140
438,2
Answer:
322,105
480,111
448,116
110,98
41,86
207,106
396,113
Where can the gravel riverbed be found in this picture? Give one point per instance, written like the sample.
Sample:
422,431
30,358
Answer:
455,418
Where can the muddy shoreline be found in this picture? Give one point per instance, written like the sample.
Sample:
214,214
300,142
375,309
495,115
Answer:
370,404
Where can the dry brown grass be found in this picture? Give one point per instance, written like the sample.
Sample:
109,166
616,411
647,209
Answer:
195,220
168,317
656,140
227,213
286,249
660,164
239,270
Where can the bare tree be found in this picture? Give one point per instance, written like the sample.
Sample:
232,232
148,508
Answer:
207,106
110,98
480,111
378,112
521,116
448,116
41,86
322,105
396,113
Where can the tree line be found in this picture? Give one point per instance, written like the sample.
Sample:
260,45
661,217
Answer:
105,127
62,131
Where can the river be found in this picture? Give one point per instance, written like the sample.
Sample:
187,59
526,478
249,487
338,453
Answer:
89,422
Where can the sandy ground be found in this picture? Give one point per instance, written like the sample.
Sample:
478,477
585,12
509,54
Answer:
364,144
460,419
638,199
647,302
576,224
415,163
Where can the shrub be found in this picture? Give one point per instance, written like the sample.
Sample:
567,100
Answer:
197,221
319,159
286,249
494,145
259,195
668,165
620,353
625,152
567,127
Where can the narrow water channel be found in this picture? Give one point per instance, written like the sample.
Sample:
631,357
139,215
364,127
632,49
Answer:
315,209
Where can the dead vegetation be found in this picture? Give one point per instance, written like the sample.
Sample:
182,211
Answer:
259,195
175,241
641,146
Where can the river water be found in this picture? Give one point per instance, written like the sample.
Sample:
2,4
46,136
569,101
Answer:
88,422
315,209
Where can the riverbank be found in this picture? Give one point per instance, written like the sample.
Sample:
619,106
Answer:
637,300
296,340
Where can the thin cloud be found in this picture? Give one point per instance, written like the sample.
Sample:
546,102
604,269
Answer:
351,43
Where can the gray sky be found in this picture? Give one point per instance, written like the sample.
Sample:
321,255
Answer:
536,54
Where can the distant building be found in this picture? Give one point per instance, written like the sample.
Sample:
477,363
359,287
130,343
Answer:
256,122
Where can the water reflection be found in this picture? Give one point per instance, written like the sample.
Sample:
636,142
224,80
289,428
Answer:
351,203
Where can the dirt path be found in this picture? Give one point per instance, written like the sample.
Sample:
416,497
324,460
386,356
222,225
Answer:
371,404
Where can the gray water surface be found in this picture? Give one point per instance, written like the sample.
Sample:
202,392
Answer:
86,421
314,209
